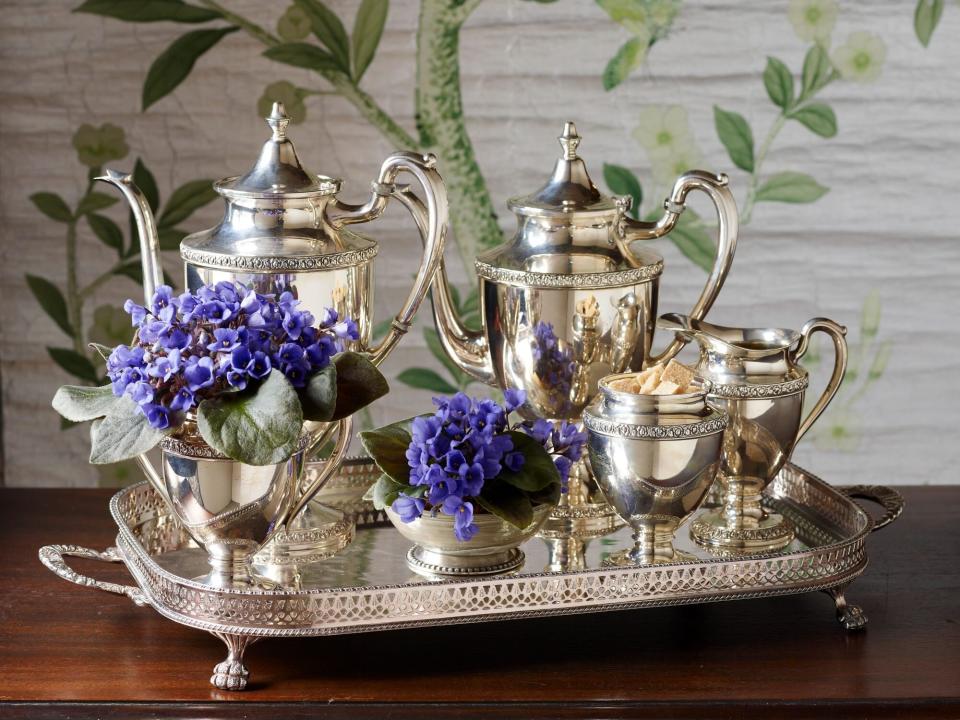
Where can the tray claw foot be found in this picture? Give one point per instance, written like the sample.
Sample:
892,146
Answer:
232,674
851,617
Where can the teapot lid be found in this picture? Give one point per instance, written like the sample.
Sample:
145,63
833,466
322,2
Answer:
569,189
275,219
278,170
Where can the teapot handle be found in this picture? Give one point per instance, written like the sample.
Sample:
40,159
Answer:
330,466
837,333
423,168
716,187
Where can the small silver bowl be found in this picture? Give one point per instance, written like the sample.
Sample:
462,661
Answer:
655,457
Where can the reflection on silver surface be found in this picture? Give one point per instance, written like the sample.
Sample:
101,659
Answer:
654,457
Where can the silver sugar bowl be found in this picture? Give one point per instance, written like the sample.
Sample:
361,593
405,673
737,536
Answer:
655,457
757,378
571,298
285,229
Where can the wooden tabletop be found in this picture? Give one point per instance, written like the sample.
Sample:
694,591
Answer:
67,651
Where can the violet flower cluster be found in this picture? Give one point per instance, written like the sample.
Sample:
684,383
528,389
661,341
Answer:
466,443
554,365
193,346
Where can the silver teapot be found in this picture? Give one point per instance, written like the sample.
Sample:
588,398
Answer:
572,297
285,229
758,380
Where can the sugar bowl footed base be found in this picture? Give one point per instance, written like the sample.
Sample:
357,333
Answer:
493,550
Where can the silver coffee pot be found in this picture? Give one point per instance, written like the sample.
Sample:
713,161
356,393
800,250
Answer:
285,229
572,297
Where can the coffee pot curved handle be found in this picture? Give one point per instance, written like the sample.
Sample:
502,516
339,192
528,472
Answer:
728,224
838,334
423,169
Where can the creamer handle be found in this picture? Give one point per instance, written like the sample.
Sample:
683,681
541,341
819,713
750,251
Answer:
837,333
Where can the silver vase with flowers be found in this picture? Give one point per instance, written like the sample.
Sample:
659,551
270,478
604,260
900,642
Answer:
471,482
286,231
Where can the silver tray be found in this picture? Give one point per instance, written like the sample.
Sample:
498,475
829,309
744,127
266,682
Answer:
369,587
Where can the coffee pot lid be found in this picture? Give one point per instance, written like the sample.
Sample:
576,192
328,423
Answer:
278,171
569,189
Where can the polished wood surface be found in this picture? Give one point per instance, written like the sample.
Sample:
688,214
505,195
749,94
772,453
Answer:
67,651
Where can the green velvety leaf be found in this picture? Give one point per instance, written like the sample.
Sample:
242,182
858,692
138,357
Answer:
51,300
790,187
302,55
623,182
507,503
122,434
107,230
329,31
94,201
550,495
736,136
816,71
74,363
779,83
817,117
359,383
538,470
175,63
694,241
367,30
388,448
256,427
426,379
53,206
926,17
319,397
383,492
629,56
144,179
78,403
148,10
185,200
170,238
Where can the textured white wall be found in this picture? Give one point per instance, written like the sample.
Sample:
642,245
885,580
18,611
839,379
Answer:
889,224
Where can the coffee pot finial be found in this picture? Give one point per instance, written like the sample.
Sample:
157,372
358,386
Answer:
569,141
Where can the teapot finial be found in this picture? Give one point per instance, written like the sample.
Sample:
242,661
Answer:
569,141
278,121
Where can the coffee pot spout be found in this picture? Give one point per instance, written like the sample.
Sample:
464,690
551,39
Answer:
146,229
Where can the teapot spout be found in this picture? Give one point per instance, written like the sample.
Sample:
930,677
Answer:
146,229
468,349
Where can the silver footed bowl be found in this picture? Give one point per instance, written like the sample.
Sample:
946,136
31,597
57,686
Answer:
492,551
655,457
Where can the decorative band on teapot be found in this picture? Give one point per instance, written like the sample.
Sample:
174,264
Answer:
595,280
266,263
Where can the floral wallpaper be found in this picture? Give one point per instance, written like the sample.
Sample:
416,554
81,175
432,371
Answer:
318,54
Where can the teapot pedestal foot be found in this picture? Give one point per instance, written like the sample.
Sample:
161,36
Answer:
628,558
712,531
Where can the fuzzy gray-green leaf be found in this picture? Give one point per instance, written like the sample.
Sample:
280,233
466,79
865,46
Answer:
319,397
122,434
78,403
258,427
388,448
359,383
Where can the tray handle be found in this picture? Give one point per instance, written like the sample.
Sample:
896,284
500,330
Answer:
890,499
52,556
